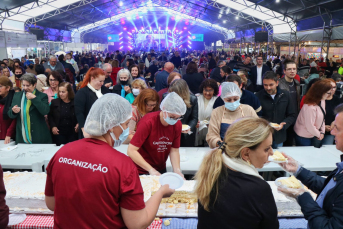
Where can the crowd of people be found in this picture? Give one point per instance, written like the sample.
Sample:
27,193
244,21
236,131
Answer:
240,105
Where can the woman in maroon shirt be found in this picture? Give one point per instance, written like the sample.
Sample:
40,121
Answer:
7,125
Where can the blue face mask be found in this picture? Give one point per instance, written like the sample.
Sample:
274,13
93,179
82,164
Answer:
122,137
170,121
232,106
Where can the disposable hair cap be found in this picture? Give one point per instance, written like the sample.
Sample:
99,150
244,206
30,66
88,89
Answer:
230,89
108,111
173,104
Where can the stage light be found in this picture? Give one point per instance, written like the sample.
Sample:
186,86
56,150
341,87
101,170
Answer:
159,28
189,32
120,47
219,16
177,17
277,1
120,3
129,33
121,43
224,21
236,17
120,33
140,16
189,46
124,28
177,30
184,27
142,28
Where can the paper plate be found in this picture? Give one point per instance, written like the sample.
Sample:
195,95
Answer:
271,159
274,125
174,180
16,219
279,184
185,127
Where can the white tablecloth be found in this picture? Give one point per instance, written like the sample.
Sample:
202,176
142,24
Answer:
28,156
314,159
34,156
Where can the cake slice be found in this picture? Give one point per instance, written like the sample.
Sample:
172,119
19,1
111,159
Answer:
277,156
291,182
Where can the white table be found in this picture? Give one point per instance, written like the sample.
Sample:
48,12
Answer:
314,159
34,156
28,156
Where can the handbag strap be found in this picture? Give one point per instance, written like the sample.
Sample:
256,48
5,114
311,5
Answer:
323,115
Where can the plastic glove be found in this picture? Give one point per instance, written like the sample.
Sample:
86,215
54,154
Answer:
291,166
154,172
291,192
178,171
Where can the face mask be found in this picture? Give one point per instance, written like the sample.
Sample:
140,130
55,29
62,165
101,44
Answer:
232,106
135,91
123,82
169,120
18,75
122,137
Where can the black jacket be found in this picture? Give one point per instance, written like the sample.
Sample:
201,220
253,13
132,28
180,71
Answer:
253,73
117,89
215,75
212,64
54,114
278,110
83,102
176,60
190,118
330,216
193,81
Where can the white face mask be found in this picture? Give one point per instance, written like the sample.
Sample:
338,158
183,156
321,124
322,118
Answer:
122,137
135,91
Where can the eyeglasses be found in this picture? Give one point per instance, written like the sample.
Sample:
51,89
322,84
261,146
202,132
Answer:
209,91
150,105
53,80
177,119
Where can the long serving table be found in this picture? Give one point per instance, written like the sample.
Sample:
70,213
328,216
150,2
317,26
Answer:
34,156
27,156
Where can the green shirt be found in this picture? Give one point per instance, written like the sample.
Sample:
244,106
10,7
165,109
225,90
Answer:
130,98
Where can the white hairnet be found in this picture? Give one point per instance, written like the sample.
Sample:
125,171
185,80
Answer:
230,89
107,112
173,104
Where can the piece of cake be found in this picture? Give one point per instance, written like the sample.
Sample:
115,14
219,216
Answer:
25,191
274,125
277,156
291,182
185,127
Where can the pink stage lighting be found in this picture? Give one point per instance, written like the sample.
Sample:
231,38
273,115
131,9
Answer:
184,27
124,28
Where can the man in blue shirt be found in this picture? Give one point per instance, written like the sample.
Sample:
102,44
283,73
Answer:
327,210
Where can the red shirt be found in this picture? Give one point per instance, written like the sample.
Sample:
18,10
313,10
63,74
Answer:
91,181
155,140
7,127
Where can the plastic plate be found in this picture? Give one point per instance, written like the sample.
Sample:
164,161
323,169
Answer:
279,184
271,159
174,180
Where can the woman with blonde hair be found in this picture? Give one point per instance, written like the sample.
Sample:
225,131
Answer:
230,190
190,118
138,85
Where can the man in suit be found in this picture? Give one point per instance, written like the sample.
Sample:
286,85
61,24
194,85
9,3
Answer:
326,210
257,72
